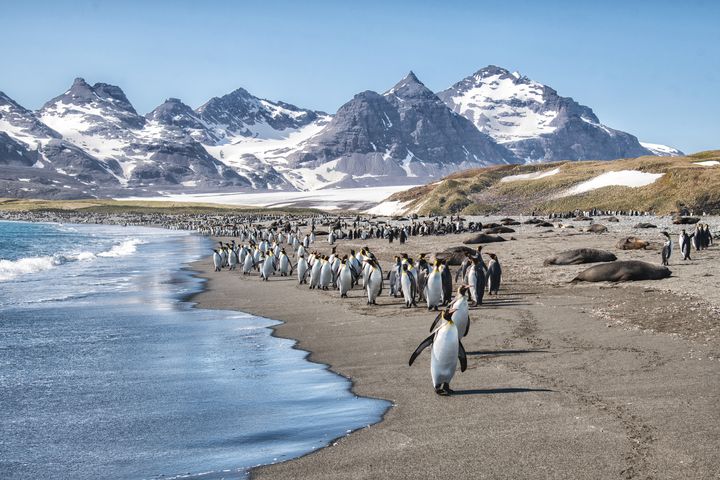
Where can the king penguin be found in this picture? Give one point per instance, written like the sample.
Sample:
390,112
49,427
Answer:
445,351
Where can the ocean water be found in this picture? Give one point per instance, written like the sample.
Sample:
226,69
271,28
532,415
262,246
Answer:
106,373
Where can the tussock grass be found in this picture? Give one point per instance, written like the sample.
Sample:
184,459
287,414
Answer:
685,184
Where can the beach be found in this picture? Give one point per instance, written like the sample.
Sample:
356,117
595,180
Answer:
563,380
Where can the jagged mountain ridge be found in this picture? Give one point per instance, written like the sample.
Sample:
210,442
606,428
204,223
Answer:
406,134
90,141
536,123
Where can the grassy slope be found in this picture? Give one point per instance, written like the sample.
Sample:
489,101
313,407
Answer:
134,206
684,184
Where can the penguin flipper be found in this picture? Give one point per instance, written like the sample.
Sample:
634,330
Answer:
462,356
467,327
423,345
435,322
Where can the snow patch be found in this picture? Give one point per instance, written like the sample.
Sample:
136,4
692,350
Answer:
622,178
530,176
708,163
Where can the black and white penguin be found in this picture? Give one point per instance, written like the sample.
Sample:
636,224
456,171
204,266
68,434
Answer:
217,260
667,249
434,287
494,274
445,351
447,289
374,282
409,286
684,242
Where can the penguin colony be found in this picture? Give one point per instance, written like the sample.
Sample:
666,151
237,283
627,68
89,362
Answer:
281,250
420,283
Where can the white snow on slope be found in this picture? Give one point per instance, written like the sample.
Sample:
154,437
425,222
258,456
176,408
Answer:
708,163
661,150
388,208
530,176
502,96
622,178
327,199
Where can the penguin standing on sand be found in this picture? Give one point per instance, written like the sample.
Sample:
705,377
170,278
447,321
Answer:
374,281
684,242
217,260
460,313
445,351
345,277
494,274
434,287
325,274
302,268
667,249
232,258
447,289
409,286
315,271
268,267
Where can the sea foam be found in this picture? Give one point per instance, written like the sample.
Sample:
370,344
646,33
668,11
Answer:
10,269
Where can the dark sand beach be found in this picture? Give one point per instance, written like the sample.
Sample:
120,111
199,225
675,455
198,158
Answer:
563,381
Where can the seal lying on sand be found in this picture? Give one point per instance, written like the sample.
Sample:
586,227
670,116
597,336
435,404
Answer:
580,255
624,271
483,238
632,243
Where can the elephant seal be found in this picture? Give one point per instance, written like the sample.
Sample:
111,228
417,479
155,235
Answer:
623,271
483,238
678,220
580,255
645,225
544,224
597,228
454,255
612,219
500,229
632,243
509,221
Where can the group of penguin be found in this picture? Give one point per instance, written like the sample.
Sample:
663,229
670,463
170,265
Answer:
263,251
700,239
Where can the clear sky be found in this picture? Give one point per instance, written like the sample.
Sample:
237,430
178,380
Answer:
651,68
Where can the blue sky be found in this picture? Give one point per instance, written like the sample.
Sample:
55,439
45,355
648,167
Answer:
651,68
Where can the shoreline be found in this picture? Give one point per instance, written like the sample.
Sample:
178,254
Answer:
534,401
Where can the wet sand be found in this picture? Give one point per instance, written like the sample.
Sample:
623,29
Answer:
563,381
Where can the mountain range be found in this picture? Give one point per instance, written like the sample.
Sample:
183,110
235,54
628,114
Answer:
91,142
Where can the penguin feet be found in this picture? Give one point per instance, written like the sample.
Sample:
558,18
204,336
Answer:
443,390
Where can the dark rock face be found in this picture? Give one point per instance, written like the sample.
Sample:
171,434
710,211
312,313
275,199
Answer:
623,271
15,153
579,256
406,133
535,122
238,112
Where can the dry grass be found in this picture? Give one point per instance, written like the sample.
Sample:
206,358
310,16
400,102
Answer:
684,185
134,206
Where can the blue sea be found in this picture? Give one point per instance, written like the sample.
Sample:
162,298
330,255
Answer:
106,372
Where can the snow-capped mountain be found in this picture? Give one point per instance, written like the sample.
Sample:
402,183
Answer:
154,152
406,135
537,124
47,164
90,140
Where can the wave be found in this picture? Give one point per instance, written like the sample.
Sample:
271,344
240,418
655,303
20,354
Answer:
128,247
10,269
